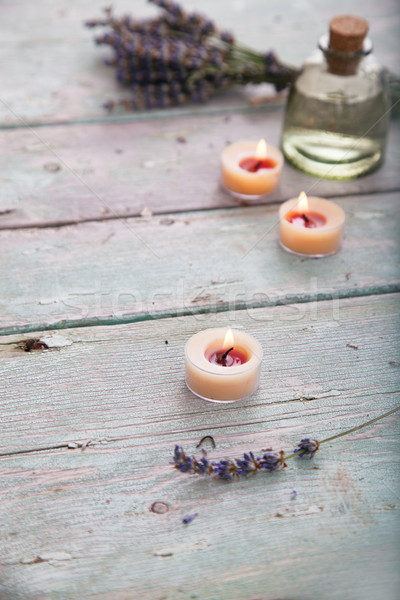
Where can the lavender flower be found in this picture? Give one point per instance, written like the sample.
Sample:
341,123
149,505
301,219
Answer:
180,57
306,447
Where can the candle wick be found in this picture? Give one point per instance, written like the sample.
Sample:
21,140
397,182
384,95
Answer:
307,220
225,354
256,167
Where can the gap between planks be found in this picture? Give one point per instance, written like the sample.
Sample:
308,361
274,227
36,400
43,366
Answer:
99,163
204,289
271,102
177,212
201,310
116,119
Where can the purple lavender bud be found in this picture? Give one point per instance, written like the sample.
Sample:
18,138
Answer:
189,518
248,464
205,29
306,447
203,466
227,37
277,72
109,105
171,7
269,58
225,469
273,461
183,462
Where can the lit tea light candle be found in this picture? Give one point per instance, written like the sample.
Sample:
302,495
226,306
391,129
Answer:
222,365
251,170
311,226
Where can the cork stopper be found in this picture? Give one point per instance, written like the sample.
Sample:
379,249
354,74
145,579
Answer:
347,33
346,38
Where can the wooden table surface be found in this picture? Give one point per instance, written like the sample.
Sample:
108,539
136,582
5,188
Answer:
117,245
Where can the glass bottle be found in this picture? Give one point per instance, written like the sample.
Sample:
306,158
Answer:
337,113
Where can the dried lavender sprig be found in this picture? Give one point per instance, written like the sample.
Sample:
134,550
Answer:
197,25
228,469
347,432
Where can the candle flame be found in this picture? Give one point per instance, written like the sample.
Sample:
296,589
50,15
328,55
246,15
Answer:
302,202
229,339
261,150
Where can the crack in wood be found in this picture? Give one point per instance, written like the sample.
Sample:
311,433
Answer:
30,450
83,445
67,446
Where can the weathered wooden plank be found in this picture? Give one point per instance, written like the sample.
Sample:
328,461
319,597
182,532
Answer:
87,513
55,73
105,381
118,271
56,175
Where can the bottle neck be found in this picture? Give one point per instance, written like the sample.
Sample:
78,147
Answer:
343,63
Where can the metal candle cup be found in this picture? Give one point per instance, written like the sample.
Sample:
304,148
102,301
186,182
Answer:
217,382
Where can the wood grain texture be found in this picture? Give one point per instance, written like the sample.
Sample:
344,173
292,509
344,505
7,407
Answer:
55,73
78,523
146,268
88,426
68,174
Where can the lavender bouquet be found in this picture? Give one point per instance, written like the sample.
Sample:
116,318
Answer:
181,57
